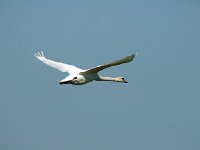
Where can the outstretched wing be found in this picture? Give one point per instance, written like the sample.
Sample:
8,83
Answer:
117,62
58,65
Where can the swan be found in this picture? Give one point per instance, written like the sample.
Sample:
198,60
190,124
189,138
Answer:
79,76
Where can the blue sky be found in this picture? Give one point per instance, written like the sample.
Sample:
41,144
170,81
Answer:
157,109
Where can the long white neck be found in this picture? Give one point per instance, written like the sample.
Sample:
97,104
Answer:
118,79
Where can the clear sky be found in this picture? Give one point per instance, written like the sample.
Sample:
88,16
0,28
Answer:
157,109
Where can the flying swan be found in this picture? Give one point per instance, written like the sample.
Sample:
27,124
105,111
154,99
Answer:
78,76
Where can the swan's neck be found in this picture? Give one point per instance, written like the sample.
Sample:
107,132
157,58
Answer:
108,79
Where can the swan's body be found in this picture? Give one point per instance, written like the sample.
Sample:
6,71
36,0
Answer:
79,76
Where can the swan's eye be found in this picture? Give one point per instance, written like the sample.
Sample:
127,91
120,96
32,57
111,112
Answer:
122,78
75,78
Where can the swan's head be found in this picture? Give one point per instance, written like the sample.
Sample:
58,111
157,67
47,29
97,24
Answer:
73,79
121,79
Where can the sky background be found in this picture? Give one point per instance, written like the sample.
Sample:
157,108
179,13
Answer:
157,109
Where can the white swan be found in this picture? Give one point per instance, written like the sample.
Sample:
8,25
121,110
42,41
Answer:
78,76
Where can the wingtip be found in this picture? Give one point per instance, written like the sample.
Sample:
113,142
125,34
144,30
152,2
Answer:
133,55
42,53
136,53
36,54
39,54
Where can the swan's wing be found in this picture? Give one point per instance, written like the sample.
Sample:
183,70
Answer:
117,62
57,65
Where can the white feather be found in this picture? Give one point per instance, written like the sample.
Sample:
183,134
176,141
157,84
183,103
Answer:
58,65
78,76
